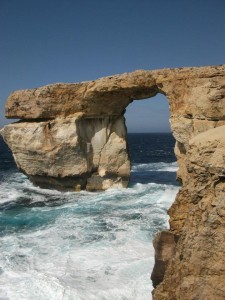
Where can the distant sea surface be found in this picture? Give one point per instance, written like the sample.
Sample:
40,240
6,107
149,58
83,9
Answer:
85,246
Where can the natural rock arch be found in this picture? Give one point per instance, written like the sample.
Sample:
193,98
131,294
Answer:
74,136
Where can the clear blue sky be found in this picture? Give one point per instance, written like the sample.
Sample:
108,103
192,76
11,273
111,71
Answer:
47,41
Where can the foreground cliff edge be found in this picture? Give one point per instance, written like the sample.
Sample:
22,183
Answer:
73,136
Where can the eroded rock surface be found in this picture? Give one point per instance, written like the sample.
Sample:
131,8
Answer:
73,136
72,153
196,270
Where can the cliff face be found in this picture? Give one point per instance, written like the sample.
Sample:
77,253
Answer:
196,256
73,136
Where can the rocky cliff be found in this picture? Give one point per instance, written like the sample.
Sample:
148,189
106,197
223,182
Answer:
194,253
73,136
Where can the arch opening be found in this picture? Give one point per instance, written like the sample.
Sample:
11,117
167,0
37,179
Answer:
153,164
148,115
150,142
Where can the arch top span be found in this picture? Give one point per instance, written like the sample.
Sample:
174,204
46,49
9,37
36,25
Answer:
193,92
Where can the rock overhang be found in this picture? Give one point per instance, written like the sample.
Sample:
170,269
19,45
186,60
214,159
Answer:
186,89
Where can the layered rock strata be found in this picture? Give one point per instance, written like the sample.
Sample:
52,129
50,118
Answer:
194,254
73,136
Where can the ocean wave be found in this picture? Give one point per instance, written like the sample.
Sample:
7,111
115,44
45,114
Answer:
157,167
79,245
68,245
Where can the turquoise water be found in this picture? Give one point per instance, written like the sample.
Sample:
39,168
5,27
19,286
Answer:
84,245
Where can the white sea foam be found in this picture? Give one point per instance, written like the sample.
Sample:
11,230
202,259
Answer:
90,246
161,166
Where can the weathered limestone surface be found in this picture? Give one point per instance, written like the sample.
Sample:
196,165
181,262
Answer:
71,153
73,136
192,93
164,244
196,269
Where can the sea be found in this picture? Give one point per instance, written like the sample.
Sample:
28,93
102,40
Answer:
82,245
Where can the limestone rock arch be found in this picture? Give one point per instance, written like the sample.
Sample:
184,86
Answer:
75,135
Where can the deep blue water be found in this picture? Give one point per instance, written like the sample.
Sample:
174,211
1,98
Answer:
151,153
64,245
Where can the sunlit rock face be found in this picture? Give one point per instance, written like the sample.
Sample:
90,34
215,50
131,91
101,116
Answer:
73,136
72,153
196,267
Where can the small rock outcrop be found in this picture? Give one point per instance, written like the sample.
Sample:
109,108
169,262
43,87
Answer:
73,136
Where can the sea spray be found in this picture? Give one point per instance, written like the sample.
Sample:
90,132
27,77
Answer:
57,245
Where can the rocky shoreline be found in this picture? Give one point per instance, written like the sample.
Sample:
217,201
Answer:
73,136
